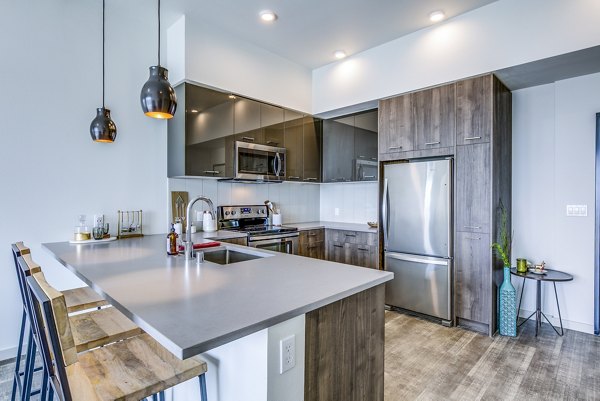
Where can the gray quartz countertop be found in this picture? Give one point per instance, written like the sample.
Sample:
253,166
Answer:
312,225
192,308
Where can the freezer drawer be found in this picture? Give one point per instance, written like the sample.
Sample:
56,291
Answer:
421,284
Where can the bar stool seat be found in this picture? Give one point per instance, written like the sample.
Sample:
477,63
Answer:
129,370
82,298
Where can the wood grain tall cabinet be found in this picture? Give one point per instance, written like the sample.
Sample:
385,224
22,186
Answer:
471,121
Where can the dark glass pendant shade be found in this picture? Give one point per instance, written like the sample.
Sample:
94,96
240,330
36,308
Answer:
103,128
158,96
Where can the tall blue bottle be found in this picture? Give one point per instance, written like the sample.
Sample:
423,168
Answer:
508,306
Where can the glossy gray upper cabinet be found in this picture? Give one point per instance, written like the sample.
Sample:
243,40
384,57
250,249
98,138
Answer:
198,134
271,122
293,143
247,121
312,149
338,151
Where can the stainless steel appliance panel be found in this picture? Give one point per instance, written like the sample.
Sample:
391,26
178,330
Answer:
421,284
416,207
259,162
284,244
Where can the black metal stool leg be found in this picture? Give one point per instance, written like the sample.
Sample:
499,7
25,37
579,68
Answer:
538,307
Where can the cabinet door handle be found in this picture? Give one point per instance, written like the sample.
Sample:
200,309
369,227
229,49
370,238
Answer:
374,158
472,138
211,172
395,147
363,249
474,238
368,176
291,177
337,246
473,227
310,179
270,142
312,234
432,143
350,235
361,157
248,138
313,246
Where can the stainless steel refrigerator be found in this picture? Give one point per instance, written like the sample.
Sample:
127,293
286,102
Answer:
416,213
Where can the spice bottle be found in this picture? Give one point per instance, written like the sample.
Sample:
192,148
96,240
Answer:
172,242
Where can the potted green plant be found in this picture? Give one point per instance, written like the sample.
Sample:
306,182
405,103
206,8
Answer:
507,322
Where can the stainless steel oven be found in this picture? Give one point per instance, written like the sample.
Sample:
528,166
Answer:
285,243
259,162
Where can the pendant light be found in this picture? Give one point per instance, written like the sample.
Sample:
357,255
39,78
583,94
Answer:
158,97
102,128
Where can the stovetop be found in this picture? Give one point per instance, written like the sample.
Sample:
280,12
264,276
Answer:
263,229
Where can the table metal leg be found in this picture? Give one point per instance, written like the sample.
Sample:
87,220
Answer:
562,331
538,307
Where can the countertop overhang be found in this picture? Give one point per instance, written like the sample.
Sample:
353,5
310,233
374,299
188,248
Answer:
191,309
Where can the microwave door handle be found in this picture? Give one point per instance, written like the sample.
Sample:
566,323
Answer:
275,164
278,168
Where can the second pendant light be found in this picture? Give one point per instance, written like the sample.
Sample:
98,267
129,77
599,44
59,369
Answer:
158,97
103,128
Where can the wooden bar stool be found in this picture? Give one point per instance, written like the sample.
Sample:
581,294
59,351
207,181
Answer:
91,329
132,369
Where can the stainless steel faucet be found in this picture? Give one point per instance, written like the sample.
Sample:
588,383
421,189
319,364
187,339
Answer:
188,245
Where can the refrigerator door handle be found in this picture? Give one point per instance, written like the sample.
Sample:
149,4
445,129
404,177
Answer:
417,259
384,212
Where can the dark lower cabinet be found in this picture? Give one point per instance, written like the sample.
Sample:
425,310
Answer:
472,276
311,243
352,247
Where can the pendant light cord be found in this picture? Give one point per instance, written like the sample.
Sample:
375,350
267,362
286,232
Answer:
159,33
103,40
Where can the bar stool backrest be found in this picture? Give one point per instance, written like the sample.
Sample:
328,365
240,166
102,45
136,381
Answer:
48,311
18,250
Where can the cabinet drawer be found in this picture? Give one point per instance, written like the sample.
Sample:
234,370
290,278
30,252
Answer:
313,236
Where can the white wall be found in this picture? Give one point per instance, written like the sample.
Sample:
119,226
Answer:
298,202
502,34
221,60
51,169
355,202
553,165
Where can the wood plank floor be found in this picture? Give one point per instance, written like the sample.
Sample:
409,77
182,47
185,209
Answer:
426,361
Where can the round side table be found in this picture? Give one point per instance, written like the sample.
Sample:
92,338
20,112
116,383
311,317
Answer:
553,276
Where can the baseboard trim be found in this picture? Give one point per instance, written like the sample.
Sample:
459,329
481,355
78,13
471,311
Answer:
7,353
567,324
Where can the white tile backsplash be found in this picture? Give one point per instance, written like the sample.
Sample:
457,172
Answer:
356,202
298,202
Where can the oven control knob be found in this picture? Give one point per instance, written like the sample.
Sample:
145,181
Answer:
226,213
233,212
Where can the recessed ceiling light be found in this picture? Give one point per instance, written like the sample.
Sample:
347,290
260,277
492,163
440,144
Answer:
339,54
437,16
268,16
232,96
193,111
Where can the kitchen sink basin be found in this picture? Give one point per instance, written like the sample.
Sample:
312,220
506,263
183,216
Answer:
227,256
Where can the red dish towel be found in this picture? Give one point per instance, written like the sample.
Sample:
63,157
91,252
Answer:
204,245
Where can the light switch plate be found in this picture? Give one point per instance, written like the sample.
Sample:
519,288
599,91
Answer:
577,210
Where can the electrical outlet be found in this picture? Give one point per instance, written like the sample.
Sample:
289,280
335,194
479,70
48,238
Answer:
577,210
287,354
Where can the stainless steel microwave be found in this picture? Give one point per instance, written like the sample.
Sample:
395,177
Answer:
366,170
259,162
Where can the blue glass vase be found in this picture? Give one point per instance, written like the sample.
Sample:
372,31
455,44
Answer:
508,306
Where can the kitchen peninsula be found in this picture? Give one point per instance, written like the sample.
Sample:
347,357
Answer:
191,308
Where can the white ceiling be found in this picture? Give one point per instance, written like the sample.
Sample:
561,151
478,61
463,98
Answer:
309,31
